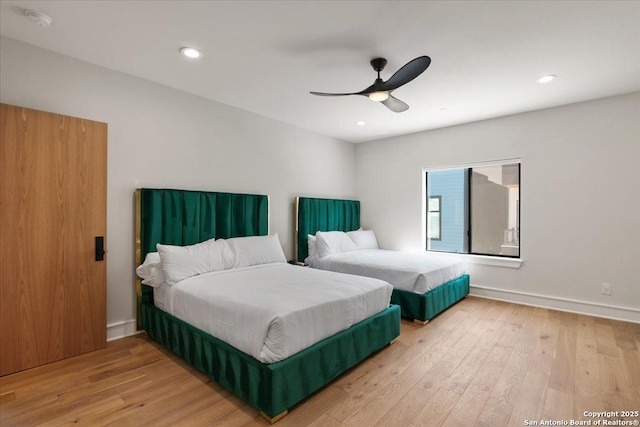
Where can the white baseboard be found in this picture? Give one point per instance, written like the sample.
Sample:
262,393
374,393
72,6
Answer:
121,329
627,314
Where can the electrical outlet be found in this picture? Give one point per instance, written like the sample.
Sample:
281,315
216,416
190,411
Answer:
606,289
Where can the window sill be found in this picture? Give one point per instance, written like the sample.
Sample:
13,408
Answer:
488,260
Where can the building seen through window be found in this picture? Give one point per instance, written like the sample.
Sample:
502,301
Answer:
474,210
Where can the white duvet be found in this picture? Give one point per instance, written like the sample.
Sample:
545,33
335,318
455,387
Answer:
273,311
407,271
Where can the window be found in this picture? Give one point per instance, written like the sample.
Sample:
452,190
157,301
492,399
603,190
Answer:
474,210
434,230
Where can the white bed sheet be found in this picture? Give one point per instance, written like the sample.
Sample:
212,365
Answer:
407,271
160,296
273,311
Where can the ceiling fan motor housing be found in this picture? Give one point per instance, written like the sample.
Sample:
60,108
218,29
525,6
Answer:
378,64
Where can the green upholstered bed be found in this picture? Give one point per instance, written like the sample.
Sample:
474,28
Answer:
317,214
181,217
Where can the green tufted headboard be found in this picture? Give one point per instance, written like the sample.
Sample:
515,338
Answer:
314,214
184,217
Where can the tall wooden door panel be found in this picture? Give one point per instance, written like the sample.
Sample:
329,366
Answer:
52,206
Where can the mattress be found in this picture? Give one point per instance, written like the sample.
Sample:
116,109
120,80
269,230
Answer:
418,273
272,311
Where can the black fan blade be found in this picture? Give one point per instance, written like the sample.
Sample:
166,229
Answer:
333,94
404,75
395,105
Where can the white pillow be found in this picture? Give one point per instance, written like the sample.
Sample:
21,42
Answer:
254,250
333,242
364,239
312,250
181,262
150,271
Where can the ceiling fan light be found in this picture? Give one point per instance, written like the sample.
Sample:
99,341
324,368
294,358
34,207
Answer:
379,96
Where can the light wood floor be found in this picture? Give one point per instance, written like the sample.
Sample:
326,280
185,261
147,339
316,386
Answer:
482,362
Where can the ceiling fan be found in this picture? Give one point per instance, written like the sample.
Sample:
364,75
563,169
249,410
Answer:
381,91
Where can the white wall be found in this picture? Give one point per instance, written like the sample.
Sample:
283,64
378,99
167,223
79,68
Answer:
160,137
580,204
580,208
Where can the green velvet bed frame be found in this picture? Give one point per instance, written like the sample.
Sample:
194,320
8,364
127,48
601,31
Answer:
315,214
181,217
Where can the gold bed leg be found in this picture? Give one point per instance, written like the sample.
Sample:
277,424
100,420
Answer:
393,340
275,419
420,322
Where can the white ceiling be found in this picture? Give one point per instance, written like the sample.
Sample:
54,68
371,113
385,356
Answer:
265,56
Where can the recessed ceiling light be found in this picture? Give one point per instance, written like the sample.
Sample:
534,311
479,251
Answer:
38,18
190,52
547,79
361,123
